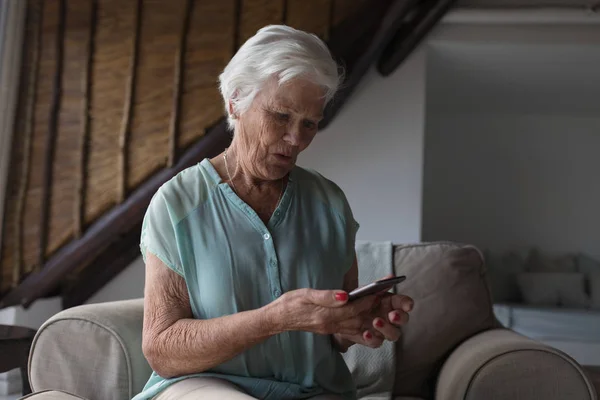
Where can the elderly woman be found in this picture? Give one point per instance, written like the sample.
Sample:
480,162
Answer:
249,257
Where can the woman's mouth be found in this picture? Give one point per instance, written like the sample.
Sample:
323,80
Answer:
283,158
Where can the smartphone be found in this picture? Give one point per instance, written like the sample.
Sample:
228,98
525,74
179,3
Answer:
375,287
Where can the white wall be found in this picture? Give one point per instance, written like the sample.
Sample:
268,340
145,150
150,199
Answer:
38,313
32,317
7,315
509,181
129,284
374,151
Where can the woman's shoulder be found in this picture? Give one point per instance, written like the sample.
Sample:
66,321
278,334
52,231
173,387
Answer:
186,191
315,184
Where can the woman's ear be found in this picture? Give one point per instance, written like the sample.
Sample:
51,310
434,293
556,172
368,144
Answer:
230,109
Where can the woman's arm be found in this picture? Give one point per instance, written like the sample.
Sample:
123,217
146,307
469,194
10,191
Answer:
175,343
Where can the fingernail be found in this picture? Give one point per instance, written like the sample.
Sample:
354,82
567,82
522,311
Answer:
343,296
368,335
407,307
379,323
395,317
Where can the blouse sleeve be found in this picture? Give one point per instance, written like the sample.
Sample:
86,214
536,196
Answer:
352,225
159,233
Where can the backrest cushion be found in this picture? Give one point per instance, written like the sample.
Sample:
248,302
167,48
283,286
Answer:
452,303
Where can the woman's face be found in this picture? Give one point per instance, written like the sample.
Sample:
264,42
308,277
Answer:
281,122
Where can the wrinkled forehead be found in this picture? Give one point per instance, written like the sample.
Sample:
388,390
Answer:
297,94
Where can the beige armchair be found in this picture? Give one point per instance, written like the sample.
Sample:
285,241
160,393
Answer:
453,347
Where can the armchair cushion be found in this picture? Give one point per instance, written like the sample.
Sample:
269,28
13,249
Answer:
452,303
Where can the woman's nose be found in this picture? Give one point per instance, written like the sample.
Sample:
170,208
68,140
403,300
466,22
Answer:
293,136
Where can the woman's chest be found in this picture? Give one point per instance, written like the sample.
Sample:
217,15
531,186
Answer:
240,265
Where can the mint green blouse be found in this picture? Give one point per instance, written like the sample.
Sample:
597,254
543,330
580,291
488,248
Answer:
231,262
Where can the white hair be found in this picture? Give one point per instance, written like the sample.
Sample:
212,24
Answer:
276,51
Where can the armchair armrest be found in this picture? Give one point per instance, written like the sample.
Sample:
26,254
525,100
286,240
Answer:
501,364
92,351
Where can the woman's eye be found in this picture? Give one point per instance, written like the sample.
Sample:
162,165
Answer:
310,125
282,117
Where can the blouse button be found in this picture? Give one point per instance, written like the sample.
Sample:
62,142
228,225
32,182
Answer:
267,236
277,293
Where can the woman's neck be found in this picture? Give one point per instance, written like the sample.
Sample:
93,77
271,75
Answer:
240,172
261,195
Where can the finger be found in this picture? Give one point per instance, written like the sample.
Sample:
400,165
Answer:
366,338
398,317
326,298
378,334
402,302
368,326
371,340
389,331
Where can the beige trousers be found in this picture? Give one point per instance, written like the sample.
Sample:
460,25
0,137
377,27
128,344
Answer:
212,389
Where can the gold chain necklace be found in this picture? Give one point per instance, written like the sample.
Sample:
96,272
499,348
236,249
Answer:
233,184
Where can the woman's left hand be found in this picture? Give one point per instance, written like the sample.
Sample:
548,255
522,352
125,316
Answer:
390,315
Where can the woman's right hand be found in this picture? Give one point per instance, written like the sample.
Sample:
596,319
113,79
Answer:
323,311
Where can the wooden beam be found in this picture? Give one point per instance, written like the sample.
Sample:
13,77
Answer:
359,42
116,222
237,22
529,4
104,268
86,92
408,37
51,135
309,15
255,14
284,13
128,107
331,23
29,117
178,83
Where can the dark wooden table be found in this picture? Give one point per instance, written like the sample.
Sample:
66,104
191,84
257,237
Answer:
15,342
